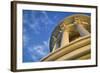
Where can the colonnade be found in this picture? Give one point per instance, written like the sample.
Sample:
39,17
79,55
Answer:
75,49
65,31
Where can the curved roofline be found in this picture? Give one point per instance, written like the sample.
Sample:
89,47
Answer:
61,49
61,21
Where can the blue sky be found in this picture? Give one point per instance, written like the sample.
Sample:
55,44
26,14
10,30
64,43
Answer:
37,29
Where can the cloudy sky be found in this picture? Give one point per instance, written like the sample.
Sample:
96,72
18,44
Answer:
37,29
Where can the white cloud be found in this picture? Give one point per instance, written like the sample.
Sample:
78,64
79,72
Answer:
25,40
34,24
48,20
34,57
41,49
46,43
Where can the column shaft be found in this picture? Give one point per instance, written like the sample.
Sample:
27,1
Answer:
65,38
54,48
81,30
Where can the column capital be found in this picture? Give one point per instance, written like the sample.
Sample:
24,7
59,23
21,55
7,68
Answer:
64,27
79,20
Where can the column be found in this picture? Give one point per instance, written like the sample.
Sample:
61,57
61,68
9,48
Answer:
55,47
55,43
78,24
65,35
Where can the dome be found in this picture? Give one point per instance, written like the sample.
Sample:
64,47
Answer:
73,33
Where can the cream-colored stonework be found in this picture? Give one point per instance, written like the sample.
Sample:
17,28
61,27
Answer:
75,42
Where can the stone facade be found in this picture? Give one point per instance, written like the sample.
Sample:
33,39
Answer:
74,40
